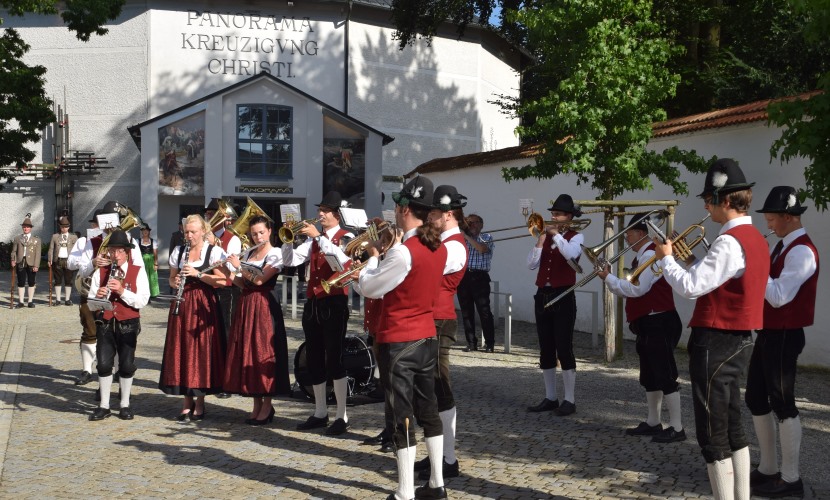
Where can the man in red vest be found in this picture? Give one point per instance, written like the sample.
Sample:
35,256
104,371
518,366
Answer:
729,286
409,280
125,286
554,256
790,306
325,314
652,317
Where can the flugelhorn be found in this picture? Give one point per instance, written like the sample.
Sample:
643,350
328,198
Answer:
386,235
680,247
243,223
225,212
288,233
378,229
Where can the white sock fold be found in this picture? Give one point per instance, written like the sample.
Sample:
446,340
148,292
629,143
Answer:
31,294
790,429
57,294
655,405
550,383
341,394
765,430
435,449
21,293
448,420
67,292
569,381
320,408
125,384
87,356
722,479
105,388
406,473
740,470
673,404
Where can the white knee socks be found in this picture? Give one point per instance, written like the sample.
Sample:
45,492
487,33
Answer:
765,430
341,394
790,429
673,404
87,356
448,424
550,383
320,408
105,388
722,479
126,384
569,381
655,405
435,449
740,469
406,474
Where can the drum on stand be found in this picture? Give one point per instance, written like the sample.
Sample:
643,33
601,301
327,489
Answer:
358,360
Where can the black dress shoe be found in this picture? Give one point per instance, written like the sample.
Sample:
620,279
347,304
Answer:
669,435
313,423
643,429
67,303
84,378
387,447
375,440
777,488
100,414
425,492
449,470
470,347
565,409
422,465
339,427
31,305
545,405
223,395
757,478
125,413
489,348
195,417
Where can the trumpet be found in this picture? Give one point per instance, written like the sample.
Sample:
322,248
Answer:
288,233
681,248
536,225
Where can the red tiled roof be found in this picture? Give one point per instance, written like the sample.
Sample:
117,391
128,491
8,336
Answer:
736,115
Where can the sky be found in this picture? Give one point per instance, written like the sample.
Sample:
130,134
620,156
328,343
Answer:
494,17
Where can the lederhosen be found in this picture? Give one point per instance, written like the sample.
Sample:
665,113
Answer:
89,334
118,329
61,275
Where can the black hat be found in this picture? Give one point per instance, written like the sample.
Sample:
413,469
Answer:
638,221
213,205
417,192
564,203
782,200
119,239
724,177
332,200
111,207
145,226
27,221
446,198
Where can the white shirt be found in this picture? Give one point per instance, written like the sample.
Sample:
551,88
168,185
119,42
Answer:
73,262
216,255
295,256
379,278
625,288
569,249
234,247
799,265
273,259
724,260
84,264
456,252
134,298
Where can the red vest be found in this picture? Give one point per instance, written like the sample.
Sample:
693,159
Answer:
407,310
121,311
372,309
319,269
658,299
553,268
738,304
96,244
800,311
225,240
445,305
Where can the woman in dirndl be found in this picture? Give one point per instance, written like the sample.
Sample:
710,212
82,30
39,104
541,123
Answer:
150,253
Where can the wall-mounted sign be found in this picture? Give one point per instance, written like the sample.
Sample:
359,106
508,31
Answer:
265,189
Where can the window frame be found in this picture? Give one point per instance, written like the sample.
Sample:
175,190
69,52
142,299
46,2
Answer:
264,142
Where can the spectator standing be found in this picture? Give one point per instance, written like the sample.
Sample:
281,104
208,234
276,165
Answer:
59,248
474,289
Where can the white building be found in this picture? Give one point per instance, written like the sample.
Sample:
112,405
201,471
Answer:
182,76
740,133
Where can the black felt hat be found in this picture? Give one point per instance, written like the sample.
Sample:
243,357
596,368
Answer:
332,200
213,205
782,200
564,203
418,191
119,239
724,177
111,207
446,198
638,221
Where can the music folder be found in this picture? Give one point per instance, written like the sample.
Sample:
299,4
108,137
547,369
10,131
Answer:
95,304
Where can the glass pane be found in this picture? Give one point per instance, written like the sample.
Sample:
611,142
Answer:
249,158
250,122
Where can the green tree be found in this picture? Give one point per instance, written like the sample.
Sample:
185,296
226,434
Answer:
806,123
24,107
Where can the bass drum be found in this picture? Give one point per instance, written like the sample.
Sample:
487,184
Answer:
358,360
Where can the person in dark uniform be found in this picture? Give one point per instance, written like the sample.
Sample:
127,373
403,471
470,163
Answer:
62,243
26,257
729,284
557,247
126,288
652,317
790,303
325,313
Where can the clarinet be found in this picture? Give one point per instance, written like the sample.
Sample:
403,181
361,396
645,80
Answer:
182,279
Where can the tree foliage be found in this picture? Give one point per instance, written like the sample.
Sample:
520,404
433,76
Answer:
422,18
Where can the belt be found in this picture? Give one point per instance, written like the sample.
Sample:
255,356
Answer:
478,270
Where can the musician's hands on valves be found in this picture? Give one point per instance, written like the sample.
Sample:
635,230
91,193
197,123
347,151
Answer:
662,249
310,230
102,261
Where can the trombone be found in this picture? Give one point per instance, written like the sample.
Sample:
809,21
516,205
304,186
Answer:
536,226
287,234
680,248
594,254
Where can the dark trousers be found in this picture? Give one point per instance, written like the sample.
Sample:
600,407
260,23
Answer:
117,337
324,325
228,297
446,331
770,382
555,328
61,275
25,275
89,335
717,362
657,338
410,369
474,293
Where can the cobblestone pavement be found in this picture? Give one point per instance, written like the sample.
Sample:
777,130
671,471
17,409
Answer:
49,449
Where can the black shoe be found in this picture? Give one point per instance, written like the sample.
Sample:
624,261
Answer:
489,348
67,303
339,427
181,417
426,492
776,488
100,414
266,420
84,378
375,440
223,395
471,347
757,478
643,429
31,305
386,447
198,417
125,413
669,435
565,409
422,465
449,470
545,405
313,423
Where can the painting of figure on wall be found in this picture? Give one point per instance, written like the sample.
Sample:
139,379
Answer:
344,162
181,156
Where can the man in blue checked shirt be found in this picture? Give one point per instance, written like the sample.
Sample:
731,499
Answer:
474,289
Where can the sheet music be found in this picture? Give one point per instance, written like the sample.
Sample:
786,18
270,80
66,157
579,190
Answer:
99,304
353,217
291,212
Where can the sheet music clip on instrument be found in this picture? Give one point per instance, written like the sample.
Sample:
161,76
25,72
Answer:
99,304
255,271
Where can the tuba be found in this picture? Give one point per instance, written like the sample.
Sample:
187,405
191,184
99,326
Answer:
225,212
243,223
